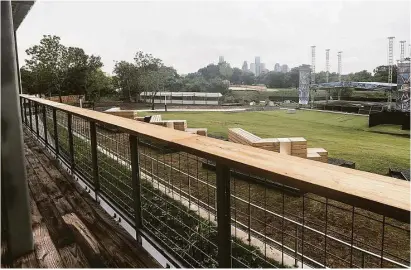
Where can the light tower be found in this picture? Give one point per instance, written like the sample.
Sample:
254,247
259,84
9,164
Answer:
327,64
339,66
312,64
402,50
390,64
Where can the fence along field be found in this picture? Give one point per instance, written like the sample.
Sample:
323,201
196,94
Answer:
257,209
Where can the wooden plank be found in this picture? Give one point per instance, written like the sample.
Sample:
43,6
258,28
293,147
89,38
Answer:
73,257
373,192
110,236
87,241
45,251
27,261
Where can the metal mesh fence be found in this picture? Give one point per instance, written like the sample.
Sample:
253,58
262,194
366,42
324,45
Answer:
271,225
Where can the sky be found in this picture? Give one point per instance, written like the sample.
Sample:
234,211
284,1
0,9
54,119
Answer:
189,35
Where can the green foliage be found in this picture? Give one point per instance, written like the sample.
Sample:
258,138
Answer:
381,74
55,69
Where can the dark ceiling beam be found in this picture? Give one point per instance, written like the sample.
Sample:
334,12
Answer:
20,10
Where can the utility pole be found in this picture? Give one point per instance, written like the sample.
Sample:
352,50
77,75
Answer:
390,65
312,74
327,70
339,72
312,64
402,50
327,64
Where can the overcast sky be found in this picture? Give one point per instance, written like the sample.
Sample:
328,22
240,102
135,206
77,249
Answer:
190,35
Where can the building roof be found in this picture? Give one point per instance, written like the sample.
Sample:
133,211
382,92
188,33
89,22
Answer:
20,10
183,94
362,85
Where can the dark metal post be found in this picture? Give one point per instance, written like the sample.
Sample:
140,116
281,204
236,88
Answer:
70,139
45,125
56,136
14,189
21,110
36,113
93,141
223,216
31,116
135,176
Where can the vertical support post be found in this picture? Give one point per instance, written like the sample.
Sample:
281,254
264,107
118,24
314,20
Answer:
56,136
223,216
15,207
70,139
21,110
36,113
31,116
93,141
135,176
46,141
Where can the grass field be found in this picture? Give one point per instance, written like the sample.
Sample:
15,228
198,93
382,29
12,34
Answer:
344,136
292,92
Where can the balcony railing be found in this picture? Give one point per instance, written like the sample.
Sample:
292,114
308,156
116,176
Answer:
204,202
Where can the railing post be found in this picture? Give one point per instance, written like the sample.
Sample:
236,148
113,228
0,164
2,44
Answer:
31,117
223,216
70,141
45,125
135,176
56,136
36,112
93,141
21,110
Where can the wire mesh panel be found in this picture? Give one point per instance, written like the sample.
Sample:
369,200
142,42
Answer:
178,198
50,127
114,167
259,223
63,135
82,148
277,226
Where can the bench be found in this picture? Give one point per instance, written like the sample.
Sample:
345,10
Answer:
321,152
198,131
298,147
130,114
239,135
155,118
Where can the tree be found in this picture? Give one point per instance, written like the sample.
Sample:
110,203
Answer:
210,72
381,74
248,78
225,70
157,80
294,77
53,68
236,77
127,78
46,63
99,84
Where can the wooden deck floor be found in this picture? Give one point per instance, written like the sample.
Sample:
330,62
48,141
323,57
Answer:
70,229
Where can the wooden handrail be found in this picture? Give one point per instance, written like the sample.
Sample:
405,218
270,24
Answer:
380,194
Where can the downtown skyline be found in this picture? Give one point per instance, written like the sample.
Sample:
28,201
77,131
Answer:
111,30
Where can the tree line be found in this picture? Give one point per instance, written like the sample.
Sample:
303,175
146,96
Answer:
54,69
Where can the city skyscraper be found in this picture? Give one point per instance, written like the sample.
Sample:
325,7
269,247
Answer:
257,66
245,66
262,67
277,67
284,68
220,59
252,68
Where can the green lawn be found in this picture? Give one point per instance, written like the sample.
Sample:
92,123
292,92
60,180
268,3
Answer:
344,136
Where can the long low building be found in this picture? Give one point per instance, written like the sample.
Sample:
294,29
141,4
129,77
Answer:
184,98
